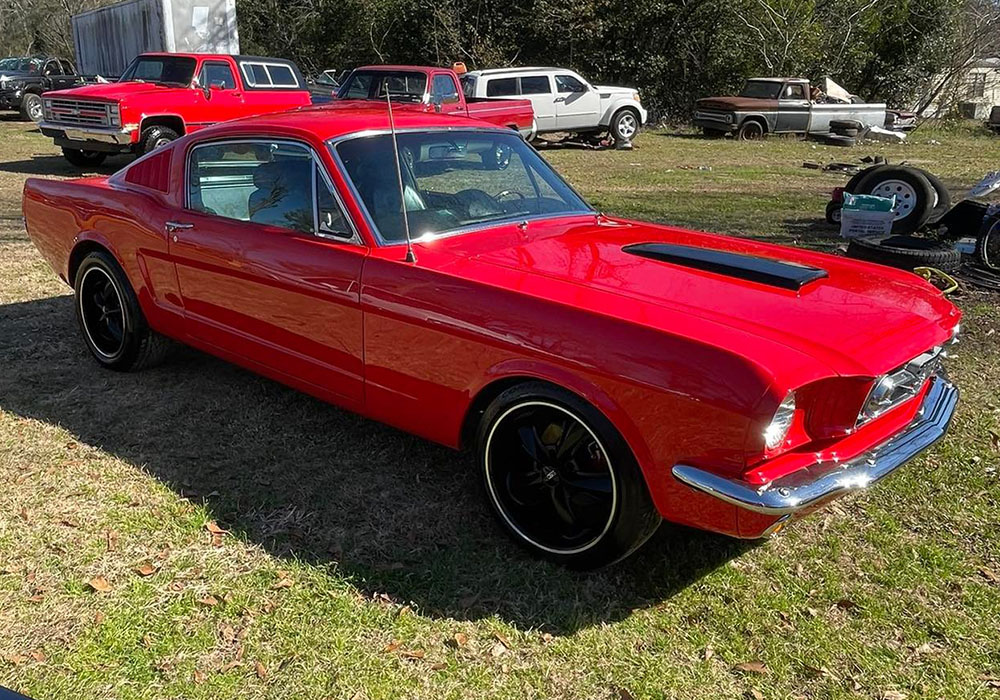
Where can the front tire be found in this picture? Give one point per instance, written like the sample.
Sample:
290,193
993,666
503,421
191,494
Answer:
113,326
625,125
31,107
561,479
84,159
154,137
750,130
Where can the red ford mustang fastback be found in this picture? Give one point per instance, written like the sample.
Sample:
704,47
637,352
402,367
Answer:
607,373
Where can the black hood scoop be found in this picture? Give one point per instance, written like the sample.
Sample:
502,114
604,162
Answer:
777,273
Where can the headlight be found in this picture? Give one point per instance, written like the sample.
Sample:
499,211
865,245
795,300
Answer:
114,115
635,96
729,119
777,430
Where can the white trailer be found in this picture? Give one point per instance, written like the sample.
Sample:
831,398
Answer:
107,39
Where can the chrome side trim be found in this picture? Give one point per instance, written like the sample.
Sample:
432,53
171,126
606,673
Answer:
823,480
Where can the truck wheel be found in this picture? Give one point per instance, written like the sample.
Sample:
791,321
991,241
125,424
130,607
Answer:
624,125
561,479
906,252
111,321
155,136
750,130
31,107
988,245
84,159
943,198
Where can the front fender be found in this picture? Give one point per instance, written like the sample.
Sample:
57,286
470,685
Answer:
617,104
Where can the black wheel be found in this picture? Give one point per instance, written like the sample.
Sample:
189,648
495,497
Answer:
906,252
155,136
113,326
750,130
625,125
833,210
988,245
84,159
560,478
31,107
857,177
851,133
839,125
942,201
913,192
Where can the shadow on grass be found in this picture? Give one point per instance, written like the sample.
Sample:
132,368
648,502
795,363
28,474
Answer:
57,165
394,514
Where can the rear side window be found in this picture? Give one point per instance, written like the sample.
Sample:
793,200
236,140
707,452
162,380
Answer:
535,85
67,67
216,73
469,86
259,74
501,87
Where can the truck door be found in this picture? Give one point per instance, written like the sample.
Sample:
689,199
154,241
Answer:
221,98
793,108
444,91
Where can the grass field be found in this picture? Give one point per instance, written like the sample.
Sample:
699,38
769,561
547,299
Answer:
195,531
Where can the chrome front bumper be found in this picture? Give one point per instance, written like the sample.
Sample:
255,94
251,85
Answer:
824,480
112,135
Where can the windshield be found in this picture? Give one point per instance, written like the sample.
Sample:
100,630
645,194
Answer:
166,70
408,86
761,89
451,180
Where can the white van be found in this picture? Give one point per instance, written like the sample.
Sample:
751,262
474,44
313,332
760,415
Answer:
563,100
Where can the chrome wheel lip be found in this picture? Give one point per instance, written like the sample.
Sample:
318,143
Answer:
499,506
905,206
83,316
627,125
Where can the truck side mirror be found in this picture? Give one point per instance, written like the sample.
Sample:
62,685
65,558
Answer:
436,101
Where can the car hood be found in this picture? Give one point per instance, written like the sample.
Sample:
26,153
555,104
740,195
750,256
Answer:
856,319
735,103
615,89
16,75
114,92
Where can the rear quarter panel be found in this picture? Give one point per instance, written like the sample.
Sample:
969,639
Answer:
61,215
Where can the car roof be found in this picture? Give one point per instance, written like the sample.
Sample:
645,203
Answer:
399,67
237,57
344,117
780,80
520,69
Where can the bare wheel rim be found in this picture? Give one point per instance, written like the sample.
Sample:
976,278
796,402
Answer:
102,312
550,477
627,125
161,141
34,108
905,194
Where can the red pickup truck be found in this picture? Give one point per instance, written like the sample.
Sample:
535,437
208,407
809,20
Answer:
162,96
428,88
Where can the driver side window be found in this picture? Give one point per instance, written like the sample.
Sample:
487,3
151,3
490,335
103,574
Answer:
567,84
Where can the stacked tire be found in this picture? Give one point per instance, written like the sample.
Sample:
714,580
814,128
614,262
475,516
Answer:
921,200
844,132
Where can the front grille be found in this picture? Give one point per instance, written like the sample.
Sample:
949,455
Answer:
77,112
900,385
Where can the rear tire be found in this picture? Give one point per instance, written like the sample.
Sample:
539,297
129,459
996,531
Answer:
113,326
31,107
914,194
84,159
560,478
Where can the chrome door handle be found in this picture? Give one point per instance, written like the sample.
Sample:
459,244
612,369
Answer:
175,226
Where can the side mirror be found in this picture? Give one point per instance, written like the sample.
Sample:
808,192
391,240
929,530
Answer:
217,85
437,100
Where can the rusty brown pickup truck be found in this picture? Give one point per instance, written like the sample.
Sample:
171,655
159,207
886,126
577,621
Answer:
779,106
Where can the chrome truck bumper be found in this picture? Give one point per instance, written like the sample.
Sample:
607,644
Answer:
89,137
824,480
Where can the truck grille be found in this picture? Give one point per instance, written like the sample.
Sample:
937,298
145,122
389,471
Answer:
77,112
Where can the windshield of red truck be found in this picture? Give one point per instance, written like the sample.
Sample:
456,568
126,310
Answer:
761,89
453,180
165,70
407,86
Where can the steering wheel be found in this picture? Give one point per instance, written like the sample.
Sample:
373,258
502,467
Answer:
507,193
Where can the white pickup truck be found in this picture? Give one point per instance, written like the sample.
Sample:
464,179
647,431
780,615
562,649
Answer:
563,100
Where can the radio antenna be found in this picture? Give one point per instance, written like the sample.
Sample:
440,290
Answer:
410,257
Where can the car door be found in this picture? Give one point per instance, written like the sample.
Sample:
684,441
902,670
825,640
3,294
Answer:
268,265
577,104
538,90
220,98
793,108
67,78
